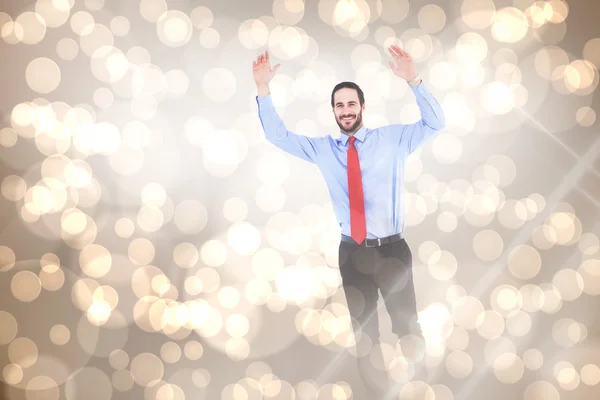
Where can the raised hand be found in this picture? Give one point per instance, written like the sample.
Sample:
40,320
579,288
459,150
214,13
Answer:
263,73
403,65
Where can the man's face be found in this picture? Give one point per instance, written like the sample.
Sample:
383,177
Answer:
347,110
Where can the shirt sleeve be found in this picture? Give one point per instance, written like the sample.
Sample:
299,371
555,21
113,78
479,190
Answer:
412,136
276,132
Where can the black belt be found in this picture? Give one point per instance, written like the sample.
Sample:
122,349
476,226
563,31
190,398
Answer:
374,242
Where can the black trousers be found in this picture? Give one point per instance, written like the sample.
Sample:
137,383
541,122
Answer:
365,272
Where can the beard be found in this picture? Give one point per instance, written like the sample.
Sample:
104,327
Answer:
345,127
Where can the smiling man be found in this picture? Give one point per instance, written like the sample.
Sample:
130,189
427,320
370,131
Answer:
364,172
347,100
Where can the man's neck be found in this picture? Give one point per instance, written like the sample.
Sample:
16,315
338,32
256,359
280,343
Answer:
351,133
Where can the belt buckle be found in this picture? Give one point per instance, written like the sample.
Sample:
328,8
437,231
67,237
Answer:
378,240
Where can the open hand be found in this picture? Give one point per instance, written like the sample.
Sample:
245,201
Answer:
403,65
263,73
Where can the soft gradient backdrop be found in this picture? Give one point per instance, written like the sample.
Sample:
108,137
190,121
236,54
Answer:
154,246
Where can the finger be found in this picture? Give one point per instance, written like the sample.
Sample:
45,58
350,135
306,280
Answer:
401,52
275,68
392,66
392,51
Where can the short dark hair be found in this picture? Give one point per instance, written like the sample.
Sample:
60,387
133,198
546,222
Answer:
349,85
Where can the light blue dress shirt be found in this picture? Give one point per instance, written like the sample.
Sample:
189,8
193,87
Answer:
382,153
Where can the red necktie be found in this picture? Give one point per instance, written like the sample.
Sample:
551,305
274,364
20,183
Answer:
358,223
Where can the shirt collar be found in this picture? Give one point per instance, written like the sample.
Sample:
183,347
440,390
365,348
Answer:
359,135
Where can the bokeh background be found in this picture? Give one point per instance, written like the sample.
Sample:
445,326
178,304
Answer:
153,245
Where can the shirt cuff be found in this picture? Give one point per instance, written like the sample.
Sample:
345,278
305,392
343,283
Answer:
265,101
420,89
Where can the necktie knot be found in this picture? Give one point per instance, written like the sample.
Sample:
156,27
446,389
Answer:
352,139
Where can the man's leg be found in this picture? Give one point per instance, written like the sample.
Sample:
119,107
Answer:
395,280
357,271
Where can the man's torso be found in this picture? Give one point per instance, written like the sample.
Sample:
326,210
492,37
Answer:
382,169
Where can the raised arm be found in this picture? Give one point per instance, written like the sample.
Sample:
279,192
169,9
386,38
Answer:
412,136
275,130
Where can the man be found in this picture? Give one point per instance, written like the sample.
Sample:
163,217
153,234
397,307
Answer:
364,173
